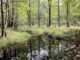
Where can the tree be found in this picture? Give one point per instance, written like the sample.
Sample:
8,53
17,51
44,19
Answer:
29,16
16,16
59,13
8,11
38,12
6,17
68,12
2,15
12,20
49,4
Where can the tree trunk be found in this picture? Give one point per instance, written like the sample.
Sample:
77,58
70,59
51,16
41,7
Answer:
2,15
68,13
59,13
6,17
49,3
8,7
16,17
29,13
38,12
12,21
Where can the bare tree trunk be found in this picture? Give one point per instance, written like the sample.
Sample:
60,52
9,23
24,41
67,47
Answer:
49,3
9,14
2,15
12,22
38,12
6,17
29,13
68,13
59,13
16,16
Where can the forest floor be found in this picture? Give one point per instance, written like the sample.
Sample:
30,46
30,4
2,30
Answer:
13,37
24,33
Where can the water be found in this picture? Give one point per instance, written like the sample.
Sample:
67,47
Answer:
38,55
43,53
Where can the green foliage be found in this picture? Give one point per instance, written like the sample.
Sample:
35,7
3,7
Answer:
14,37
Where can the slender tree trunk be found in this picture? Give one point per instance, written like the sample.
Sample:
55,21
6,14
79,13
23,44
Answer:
38,12
49,3
16,16
68,13
59,13
2,15
6,17
12,22
29,13
8,6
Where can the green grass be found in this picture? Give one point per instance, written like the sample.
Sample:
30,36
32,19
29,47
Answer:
54,30
20,37
14,37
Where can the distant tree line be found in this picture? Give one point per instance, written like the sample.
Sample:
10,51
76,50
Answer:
10,15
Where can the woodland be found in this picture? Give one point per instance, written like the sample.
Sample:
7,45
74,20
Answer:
39,29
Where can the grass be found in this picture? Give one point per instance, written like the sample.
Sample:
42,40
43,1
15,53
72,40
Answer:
14,37
53,30
20,37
